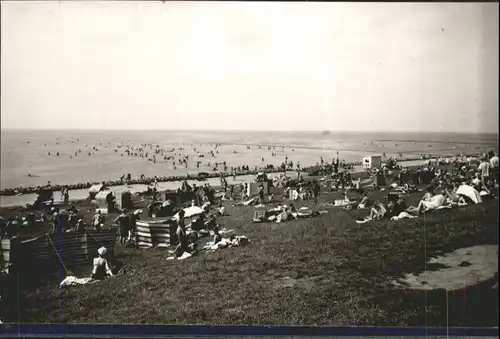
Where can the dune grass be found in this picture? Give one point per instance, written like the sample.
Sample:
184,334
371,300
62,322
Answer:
326,270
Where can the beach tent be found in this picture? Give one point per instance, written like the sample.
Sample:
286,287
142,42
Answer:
124,199
469,192
190,212
94,189
104,200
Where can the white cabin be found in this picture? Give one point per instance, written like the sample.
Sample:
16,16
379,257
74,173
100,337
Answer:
372,161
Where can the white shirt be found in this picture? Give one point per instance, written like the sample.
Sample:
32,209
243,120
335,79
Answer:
485,168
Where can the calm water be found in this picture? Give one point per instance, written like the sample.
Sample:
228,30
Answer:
26,152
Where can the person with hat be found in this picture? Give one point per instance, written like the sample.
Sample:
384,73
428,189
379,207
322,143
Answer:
101,265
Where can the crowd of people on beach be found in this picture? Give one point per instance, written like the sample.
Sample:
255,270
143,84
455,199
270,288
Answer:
179,157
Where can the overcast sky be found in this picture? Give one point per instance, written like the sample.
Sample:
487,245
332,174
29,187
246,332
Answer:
250,66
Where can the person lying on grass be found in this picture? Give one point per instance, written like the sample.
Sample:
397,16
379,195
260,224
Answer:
429,203
346,202
246,203
378,211
285,215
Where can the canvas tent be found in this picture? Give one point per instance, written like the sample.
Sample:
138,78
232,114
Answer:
94,189
124,199
190,212
105,200
470,192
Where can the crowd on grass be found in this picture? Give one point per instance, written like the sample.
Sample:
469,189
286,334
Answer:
458,184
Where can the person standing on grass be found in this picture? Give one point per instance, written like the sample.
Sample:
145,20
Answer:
66,195
316,188
494,166
80,226
97,221
484,167
54,221
181,235
261,194
133,223
3,227
123,224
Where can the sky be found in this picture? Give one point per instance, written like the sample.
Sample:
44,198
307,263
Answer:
392,67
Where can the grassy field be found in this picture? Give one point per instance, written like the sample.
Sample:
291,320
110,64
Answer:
321,271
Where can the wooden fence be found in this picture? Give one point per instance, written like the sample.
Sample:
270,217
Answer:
45,253
156,233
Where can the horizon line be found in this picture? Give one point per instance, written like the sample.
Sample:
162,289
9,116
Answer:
238,130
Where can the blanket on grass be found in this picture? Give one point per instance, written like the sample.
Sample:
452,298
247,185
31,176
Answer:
74,281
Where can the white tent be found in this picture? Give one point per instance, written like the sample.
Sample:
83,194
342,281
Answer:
96,188
470,192
190,212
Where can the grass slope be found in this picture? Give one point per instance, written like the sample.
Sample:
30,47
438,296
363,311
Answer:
322,271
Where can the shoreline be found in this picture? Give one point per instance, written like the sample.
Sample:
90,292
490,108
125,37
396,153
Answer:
78,194
17,191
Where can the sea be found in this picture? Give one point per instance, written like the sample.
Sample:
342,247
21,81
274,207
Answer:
25,159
